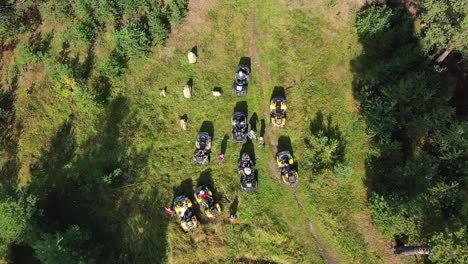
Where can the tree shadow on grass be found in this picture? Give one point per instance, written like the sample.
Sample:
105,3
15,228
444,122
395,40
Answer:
90,187
102,88
87,65
10,132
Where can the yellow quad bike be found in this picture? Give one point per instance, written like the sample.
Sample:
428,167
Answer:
183,208
289,175
208,205
278,112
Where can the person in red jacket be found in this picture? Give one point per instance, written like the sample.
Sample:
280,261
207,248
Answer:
203,195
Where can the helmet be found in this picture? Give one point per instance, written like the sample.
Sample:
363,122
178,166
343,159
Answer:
247,171
202,192
241,74
260,138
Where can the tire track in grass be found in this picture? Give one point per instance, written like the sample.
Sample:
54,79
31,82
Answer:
272,138
322,247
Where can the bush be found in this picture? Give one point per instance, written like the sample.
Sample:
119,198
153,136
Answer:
382,29
69,247
60,74
15,219
113,65
177,11
158,26
373,22
449,247
16,17
26,56
323,152
395,218
132,40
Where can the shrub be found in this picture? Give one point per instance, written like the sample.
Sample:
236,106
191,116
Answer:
132,40
395,218
177,11
449,247
68,247
323,151
373,22
26,56
158,26
15,219
113,65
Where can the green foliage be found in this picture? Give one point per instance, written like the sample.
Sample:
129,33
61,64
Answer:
374,22
449,247
158,26
383,29
451,145
395,217
447,24
132,40
16,17
72,246
61,75
323,152
26,56
16,212
177,11
114,64
419,165
325,146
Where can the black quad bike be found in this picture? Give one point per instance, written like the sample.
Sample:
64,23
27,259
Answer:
201,156
248,174
242,80
239,128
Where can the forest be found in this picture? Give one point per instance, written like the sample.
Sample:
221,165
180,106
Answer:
91,154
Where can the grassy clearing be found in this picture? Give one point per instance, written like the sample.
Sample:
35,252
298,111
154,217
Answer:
133,138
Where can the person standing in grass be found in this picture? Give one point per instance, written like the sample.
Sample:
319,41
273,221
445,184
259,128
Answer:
220,158
261,143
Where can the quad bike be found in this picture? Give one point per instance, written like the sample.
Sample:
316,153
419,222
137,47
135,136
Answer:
201,156
208,205
278,112
285,162
239,127
248,174
242,80
203,141
183,208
